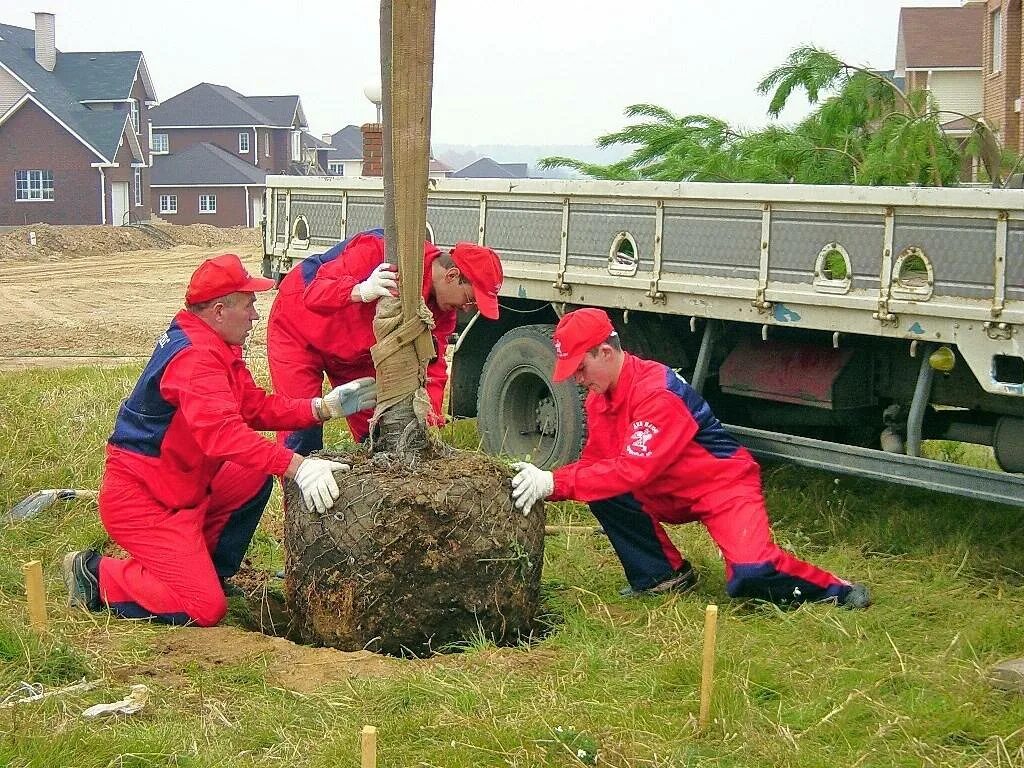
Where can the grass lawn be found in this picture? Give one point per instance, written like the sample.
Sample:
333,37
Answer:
615,681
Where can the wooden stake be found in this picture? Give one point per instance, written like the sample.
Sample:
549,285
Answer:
368,747
551,530
708,669
35,594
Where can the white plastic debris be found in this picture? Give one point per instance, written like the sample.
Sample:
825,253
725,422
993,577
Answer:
136,700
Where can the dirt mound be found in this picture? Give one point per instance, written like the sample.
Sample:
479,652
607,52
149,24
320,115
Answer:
55,243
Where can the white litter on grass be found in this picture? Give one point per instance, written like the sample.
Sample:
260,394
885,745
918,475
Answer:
136,700
36,692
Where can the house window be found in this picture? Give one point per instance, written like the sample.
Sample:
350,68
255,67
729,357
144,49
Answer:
160,143
266,146
296,146
243,142
33,185
168,203
336,168
997,40
138,186
134,105
207,203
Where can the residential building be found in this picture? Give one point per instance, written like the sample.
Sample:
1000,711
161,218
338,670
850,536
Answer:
346,157
205,184
1001,45
315,156
73,131
486,168
940,50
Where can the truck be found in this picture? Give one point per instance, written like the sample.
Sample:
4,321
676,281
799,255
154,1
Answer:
837,327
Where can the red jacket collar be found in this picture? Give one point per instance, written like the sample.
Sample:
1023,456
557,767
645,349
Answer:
613,400
202,334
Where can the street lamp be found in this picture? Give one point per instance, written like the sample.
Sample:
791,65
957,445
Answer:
372,92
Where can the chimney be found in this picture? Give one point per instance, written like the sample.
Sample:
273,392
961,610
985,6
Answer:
325,138
373,149
46,41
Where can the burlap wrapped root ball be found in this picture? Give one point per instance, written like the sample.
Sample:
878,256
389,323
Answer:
414,560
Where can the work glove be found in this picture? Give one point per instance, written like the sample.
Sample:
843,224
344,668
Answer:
356,395
530,485
315,479
383,281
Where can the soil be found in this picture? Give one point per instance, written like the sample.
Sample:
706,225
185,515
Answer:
88,295
413,560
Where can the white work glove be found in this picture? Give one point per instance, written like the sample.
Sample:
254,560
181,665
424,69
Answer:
383,281
356,395
530,485
315,478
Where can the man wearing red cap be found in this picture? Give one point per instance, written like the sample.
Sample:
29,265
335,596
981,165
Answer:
187,474
322,319
655,453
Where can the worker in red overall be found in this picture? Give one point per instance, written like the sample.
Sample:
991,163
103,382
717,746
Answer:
655,453
187,473
322,319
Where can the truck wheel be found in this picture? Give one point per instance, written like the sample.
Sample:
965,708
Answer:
520,411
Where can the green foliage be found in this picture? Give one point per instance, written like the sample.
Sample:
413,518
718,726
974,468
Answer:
865,130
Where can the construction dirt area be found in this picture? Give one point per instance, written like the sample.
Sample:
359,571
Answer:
91,295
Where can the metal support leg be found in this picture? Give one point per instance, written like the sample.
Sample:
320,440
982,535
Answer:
922,394
700,370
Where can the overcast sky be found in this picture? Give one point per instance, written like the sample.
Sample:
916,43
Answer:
505,71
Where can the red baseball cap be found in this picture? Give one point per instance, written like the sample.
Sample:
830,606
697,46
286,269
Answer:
220,276
576,334
482,268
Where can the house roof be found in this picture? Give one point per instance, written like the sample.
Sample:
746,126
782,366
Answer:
486,168
309,141
348,143
209,104
436,166
204,164
102,76
940,37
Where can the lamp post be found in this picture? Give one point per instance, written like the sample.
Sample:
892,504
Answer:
372,92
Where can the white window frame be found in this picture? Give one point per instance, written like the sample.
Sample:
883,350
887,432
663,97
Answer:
207,204
165,144
168,204
133,105
296,146
137,183
243,142
33,186
266,145
336,167
997,40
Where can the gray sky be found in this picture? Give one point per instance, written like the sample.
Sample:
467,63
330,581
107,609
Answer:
505,71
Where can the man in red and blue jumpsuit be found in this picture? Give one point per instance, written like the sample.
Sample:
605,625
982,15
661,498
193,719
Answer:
322,319
655,453
187,475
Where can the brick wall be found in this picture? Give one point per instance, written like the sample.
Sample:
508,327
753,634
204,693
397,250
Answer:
1001,89
231,205
31,140
373,149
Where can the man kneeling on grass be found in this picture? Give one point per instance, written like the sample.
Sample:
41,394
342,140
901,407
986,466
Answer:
655,453
187,475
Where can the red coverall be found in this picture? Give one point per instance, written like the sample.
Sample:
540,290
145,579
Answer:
655,453
316,328
187,476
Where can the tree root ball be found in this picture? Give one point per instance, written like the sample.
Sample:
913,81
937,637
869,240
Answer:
414,558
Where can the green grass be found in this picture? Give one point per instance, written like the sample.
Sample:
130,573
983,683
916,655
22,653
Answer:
902,684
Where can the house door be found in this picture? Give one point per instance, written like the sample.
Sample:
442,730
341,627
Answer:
257,210
118,203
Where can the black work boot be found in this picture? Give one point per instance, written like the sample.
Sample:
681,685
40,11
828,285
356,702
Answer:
682,580
81,575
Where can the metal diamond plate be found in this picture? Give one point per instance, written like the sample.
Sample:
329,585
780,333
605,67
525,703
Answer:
364,213
962,251
592,229
798,237
712,241
323,216
1015,262
525,230
454,221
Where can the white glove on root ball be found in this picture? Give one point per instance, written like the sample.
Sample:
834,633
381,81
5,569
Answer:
315,478
352,397
530,485
383,281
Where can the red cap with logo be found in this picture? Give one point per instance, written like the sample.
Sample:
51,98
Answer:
576,334
482,268
220,276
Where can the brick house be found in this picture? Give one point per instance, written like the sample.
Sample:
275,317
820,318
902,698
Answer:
205,184
215,124
1001,62
73,130
940,50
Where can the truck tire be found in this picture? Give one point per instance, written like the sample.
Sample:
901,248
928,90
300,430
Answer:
521,412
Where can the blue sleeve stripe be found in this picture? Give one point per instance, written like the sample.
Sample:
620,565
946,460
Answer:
311,265
711,435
